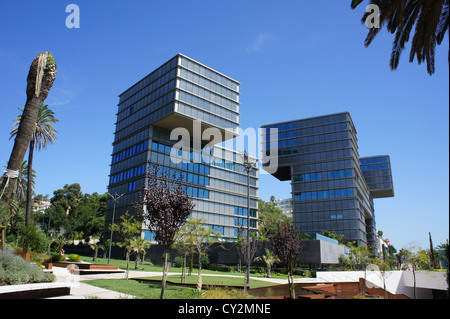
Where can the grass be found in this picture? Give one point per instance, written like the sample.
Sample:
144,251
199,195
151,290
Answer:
145,291
122,264
216,280
151,291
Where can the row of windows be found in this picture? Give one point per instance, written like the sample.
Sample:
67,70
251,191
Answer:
323,120
204,82
326,215
148,79
130,152
318,130
281,127
202,104
322,138
208,95
374,166
323,166
323,185
200,69
242,222
380,186
338,204
374,160
196,192
313,148
283,135
133,172
323,175
334,193
315,157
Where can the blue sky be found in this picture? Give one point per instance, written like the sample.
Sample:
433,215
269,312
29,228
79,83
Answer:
295,59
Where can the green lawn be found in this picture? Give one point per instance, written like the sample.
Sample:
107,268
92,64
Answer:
122,264
151,291
216,280
144,291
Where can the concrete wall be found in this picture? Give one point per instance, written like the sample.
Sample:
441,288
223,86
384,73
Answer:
397,282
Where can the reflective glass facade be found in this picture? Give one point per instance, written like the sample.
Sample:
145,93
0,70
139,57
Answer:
174,96
329,188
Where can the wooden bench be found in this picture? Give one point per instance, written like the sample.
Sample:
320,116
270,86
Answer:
35,291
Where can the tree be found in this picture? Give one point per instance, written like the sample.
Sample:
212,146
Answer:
184,244
40,79
361,256
201,238
127,230
23,180
139,246
432,254
414,258
382,268
164,207
330,234
96,246
287,246
430,18
269,258
64,209
43,135
268,217
247,251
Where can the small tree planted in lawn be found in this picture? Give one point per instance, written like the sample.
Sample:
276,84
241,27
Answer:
164,206
286,245
128,229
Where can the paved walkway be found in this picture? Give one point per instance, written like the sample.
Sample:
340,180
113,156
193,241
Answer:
80,288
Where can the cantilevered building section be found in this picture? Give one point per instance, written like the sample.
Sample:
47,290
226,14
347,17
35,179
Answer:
186,95
332,188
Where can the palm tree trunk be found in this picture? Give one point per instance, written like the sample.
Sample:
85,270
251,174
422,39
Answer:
29,183
41,77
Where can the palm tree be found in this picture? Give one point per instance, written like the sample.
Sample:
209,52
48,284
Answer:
41,77
139,245
430,18
43,135
26,176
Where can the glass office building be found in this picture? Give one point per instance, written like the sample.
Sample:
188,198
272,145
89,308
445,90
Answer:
332,187
183,94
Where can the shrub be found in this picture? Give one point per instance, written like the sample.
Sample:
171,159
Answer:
178,261
15,270
222,293
205,261
36,238
74,257
56,257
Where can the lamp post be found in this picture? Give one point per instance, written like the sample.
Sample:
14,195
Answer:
115,199
248,167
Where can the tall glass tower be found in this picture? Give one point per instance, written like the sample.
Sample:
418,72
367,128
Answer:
332,187
186,103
